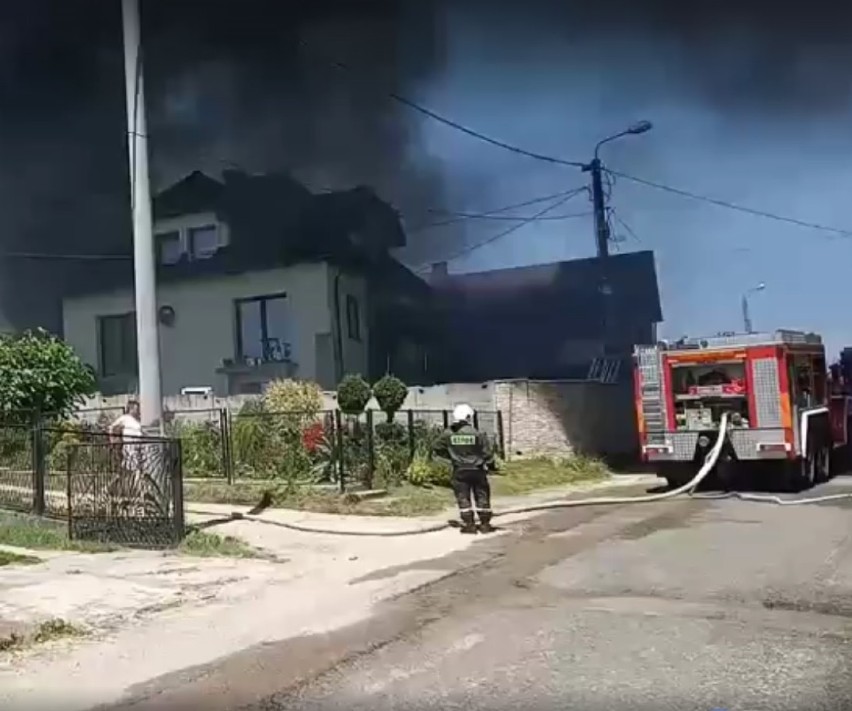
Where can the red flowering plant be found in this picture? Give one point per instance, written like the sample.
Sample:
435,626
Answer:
312,437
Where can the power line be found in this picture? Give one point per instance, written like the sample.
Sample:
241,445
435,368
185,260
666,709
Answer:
496,211
481,136
626,227
429,113
504,233
731,205
509,218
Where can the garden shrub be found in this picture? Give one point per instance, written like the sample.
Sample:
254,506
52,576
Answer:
390,393
424,471
201,447
253,442
353,394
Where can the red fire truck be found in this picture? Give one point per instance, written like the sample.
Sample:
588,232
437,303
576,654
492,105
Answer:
775,389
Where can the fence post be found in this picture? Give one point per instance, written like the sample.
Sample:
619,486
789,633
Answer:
412,444
68,492
176,459
225,444
338,429
371,451
38,467
445,418
501,441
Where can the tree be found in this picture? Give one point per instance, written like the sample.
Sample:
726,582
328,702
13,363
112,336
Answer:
390,394
41,374
353,394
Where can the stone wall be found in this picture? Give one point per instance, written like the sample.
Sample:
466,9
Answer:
561,417
548,417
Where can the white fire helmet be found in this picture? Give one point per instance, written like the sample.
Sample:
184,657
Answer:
462,413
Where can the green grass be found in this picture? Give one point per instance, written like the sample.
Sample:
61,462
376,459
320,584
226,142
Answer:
200,544
515,478
47,631
38,534
7,558
23,531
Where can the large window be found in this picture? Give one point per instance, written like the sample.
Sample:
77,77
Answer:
263,328
117,344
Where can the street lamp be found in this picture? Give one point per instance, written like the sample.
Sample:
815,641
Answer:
746,316
598,200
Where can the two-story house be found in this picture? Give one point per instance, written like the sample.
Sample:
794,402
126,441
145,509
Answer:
259,279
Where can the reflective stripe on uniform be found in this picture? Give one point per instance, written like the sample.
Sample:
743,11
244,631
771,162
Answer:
465,510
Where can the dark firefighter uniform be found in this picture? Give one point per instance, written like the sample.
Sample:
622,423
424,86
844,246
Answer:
471,455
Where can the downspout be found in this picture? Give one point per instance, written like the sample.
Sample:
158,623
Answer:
338,329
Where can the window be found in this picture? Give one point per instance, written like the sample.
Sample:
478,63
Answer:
203,241
117,344
263,328
353,318
170,247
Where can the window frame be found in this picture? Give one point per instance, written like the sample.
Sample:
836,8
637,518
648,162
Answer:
191,239
353,318
102,360
262,299
160,238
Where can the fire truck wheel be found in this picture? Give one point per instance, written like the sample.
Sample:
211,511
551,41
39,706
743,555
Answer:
802,473
823,464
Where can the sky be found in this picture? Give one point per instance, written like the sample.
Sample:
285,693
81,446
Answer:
750,103
558,96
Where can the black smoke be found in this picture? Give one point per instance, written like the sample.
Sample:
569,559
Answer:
255,84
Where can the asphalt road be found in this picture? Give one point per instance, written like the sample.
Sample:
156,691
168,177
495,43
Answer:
687,605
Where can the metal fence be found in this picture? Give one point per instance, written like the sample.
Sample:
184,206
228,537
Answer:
326,447
129,493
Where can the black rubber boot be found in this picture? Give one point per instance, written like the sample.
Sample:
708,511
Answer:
468,523
485,522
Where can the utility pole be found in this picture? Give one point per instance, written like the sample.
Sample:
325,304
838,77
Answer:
746,317
144,265
744,303
602,231
599,209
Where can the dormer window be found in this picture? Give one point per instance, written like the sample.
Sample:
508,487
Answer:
170,246
191,237
203,241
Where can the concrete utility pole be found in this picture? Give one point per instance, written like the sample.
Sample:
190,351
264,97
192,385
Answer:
747,324
144,264
598,197
602,231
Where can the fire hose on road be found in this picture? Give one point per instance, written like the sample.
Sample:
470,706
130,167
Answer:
687,489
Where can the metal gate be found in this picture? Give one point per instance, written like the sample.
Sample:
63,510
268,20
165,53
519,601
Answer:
129,493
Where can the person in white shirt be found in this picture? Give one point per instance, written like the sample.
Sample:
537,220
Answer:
126,428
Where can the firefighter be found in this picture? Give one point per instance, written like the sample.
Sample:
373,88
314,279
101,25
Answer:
471,455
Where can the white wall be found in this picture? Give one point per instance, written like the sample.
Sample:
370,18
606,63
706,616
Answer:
204,331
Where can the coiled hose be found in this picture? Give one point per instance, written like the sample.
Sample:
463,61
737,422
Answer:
688,489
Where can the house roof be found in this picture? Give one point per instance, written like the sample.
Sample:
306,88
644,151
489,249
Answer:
632,278
534,321
274,221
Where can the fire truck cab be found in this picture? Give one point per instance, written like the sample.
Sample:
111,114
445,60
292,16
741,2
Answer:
774,387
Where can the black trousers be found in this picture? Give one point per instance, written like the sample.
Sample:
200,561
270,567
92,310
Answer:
472,484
